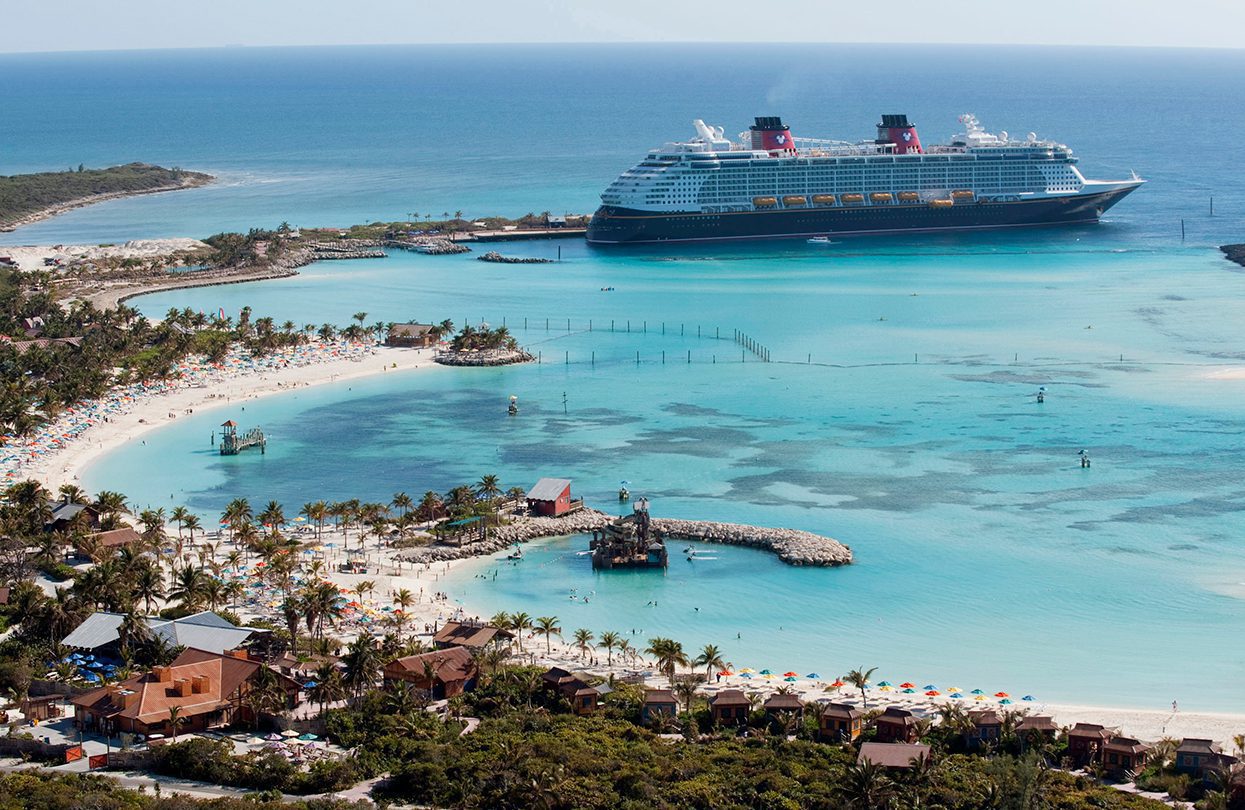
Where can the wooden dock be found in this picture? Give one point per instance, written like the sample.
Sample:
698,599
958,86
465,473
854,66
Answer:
232,442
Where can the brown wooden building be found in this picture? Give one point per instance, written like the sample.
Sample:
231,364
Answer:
1085,743
896,725
412,336
209,689
583,696
893,756
1123,755
987,727
730,707
472,635
840,722
658,702
441,673
778,703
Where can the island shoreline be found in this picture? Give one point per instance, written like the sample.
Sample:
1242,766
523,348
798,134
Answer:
191,181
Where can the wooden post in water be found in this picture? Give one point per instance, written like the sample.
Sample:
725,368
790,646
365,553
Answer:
1182,230
568,358
568,324
594,359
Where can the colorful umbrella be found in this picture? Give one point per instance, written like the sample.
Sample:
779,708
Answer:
907,685
1001,694
1005,701
813,676
748,670
1028,697
789,678
791,674
837,683
766,672
726,673
977,692
933,693
929,686
885,683
909,691
956,695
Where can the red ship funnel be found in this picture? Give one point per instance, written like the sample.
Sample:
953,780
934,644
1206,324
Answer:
897,130
772,135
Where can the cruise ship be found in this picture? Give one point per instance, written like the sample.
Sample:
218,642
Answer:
773,184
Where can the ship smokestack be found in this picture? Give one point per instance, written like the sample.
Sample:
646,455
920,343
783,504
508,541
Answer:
772,135
897,130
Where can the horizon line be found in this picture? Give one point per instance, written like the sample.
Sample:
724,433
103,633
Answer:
628,43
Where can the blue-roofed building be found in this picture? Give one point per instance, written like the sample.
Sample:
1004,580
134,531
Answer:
100,632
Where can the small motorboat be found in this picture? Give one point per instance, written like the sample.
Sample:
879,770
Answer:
821,240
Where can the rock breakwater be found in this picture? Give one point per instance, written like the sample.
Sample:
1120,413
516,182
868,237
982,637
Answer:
792,546
494,256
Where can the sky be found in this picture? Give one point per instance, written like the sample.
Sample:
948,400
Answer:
86,25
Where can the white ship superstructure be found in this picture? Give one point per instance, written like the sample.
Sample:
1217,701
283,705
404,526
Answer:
769,171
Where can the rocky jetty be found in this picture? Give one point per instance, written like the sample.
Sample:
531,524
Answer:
494,256
1234,253
485,357
792,546
429,247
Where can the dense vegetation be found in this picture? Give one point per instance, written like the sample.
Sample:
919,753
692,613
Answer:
25,194
67,791
436,224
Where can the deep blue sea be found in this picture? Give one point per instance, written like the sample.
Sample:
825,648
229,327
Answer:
898,416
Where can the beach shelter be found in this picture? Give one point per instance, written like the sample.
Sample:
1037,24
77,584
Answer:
791,674
932,693
1001,694
907,685
980,697
813,676
745,674
956,695
1005,701
885,683
977,692
748,670
909,691
929,686
766,672
790,678
838,683
726,673
1028,697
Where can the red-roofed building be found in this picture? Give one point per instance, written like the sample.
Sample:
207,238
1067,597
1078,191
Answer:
209,689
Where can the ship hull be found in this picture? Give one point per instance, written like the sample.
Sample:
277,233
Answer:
612,225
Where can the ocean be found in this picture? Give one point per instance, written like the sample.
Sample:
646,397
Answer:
899,412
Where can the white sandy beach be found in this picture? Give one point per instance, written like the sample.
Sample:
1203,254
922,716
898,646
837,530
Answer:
53,459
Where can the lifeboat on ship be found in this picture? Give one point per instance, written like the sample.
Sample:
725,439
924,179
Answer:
853,198
941,203
765,202
794,200
909,196
962,194
823,199
881,197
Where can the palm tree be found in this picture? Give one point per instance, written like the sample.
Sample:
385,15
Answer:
860,680
685,690
710,658
188,586
148,585
609,640
403,599
363,588
867,787
547,626
191,524
329,686
520,622
583,641
402,501
176,720
363,664
500,620
669,655
178,516
488,488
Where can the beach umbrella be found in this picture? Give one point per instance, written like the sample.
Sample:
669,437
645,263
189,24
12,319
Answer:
954,689
308,737
745,674
929,686
1028,697
1005,701
933,693
907,685
748,670
909,691
309,684
289,732
980,697
885,688
813,676
837,683
956,695
766,672
885,683
726,673
1001,694
789,678
791,674
768,675
977,692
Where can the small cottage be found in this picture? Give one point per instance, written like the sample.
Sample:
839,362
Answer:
442,673
1124,755
896,725
893,756
658,702
412,336
551,497
840,722
730,707
1085,743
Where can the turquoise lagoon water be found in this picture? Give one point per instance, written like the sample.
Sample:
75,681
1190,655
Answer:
985,553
